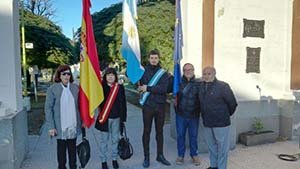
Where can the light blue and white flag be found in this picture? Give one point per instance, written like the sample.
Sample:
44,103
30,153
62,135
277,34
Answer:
130,42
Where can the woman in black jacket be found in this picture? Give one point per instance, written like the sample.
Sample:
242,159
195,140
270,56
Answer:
112,114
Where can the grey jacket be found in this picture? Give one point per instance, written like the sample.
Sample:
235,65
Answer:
52,107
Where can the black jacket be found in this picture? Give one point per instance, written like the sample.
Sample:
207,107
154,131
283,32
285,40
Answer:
119,108
158,93
188,98
217,103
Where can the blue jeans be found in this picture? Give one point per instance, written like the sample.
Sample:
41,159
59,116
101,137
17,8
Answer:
217,140
182,124
114,131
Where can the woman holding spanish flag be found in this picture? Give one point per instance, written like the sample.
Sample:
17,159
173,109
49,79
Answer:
112,115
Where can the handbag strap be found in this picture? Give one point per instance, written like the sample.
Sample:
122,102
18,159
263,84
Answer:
83,132
124,134
187,88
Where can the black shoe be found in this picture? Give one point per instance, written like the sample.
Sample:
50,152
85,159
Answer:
104,165
115,164
212,168
146,162
161,158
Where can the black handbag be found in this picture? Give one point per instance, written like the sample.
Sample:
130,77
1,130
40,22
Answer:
83,150
125,149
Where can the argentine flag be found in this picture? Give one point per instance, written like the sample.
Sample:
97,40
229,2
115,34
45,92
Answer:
130,42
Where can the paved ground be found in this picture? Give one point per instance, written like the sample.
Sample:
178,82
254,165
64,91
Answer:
42,151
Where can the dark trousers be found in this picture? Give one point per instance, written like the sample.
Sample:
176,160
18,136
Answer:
62,147
158,114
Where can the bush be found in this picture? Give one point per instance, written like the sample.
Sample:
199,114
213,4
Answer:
257,125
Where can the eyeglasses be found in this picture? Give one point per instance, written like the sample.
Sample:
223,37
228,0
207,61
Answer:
66,73
188,69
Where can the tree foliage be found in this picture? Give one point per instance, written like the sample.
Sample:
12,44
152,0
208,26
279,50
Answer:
51,47
146,1
40,7
155,25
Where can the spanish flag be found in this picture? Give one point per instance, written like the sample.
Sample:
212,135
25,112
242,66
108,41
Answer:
91,92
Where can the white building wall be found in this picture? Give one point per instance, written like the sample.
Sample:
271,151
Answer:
275,57
230,46
280,114
10,73
191,11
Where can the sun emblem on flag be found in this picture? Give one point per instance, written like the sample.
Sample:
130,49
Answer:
131,32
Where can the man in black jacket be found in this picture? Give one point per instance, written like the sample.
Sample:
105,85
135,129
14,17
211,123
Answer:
187,114
154,105
217,105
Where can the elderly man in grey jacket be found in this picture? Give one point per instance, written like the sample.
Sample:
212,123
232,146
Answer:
217,104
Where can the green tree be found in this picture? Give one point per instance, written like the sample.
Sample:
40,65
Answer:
155,25
51,47
40,7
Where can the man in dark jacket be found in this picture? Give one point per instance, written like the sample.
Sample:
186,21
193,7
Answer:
217,105
154,105
187,114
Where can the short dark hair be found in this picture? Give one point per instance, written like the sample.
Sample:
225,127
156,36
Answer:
110,70
62,68
154,52
188,64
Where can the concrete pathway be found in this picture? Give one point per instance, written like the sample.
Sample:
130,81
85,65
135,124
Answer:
42,151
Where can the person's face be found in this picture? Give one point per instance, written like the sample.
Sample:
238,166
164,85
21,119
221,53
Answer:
208,74
153,60
65,76
188,71
110,78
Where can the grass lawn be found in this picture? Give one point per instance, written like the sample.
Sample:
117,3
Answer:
36,115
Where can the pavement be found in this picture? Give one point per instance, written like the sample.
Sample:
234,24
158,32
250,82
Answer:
42,151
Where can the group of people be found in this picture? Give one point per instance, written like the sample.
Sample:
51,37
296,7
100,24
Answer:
63,118
215,102
213,98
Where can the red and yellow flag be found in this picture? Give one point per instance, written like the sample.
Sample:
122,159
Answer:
91,92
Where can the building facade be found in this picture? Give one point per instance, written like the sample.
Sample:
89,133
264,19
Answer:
255,47
13,118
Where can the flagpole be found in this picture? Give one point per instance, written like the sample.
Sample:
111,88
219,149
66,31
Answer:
23,50
177,49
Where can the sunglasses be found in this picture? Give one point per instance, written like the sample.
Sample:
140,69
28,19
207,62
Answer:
66,73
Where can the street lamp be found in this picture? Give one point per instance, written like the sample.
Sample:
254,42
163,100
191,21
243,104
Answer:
23,49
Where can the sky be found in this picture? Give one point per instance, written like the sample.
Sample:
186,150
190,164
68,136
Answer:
69,13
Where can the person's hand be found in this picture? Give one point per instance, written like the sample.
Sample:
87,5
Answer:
83,125
142,88
139,89
122,125
52,132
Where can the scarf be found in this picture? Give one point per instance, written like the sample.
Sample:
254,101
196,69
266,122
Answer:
67,109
